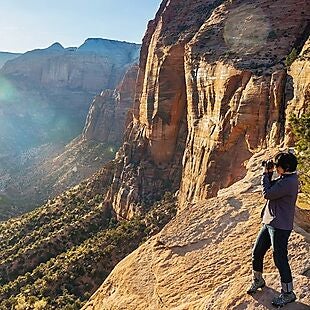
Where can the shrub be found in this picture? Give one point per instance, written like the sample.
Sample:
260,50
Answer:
291,57
301,130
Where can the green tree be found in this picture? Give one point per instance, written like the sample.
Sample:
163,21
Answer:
291,57
301,130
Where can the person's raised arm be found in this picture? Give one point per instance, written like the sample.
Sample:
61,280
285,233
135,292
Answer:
277,190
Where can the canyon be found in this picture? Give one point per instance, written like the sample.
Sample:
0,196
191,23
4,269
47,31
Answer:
44,102
213,97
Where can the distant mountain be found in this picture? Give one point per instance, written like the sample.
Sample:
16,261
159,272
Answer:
45,93
96,65
45,96
4,57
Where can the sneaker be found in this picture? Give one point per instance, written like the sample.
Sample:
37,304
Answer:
283,299
256,284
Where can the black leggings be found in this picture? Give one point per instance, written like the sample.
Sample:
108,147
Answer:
278,239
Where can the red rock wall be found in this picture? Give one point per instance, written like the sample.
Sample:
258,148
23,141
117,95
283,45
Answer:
213,72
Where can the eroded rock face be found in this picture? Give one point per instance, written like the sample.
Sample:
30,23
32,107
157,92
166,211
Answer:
108,112
219,68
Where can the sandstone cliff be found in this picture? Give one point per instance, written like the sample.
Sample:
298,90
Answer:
213,91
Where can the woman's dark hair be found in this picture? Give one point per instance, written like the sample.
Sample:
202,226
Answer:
287,161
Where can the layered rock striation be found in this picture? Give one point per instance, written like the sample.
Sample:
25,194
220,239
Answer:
213,88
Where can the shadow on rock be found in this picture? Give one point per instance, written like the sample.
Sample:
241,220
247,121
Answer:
265,297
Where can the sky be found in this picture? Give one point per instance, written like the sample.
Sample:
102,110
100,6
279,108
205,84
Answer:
30,24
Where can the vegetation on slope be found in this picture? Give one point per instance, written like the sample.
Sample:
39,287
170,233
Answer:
301,130
30,178
58,255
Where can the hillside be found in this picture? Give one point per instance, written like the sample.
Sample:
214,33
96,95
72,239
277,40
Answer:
59,254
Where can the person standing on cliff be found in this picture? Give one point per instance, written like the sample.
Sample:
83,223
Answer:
277,218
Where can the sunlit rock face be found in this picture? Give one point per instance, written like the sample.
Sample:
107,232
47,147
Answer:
212,73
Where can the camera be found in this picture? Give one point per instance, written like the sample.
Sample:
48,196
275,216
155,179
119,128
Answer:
268,164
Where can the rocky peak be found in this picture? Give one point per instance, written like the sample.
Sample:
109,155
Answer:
56,47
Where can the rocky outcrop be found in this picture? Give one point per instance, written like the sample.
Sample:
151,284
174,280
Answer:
202,258
106,120
214,74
